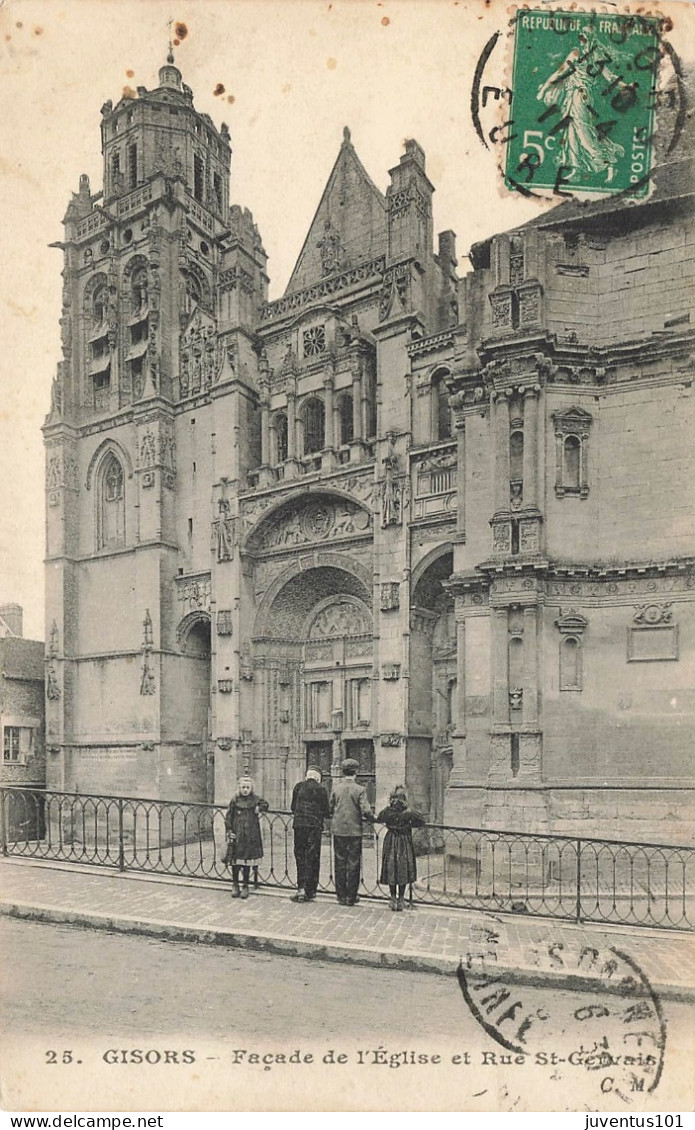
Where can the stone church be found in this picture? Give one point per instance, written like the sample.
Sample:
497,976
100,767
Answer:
443,525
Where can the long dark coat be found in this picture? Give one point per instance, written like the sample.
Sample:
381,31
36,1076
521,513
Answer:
398,866
241,818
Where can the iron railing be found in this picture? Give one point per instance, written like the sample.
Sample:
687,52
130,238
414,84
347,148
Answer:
565,877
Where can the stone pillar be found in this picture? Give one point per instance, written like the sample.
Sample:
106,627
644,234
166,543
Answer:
460,423
530,472
357,432
364,404
501,453
529,702
500,665
329,415
265,431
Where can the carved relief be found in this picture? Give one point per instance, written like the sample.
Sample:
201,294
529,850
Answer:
391,739
224,622
391,672
147,679
390,596
194,592
316,521
341,619
653,613
224,531
331,248
199,359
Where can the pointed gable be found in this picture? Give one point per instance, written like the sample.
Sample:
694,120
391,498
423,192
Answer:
349,226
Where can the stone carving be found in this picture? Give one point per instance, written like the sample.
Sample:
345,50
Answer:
340,619
147,680
515,697
224,531
331,248
245,666
316,521
52,685
390,596
361,273
391,488
199,360
651,614
391,739
225,686
225,744
194,592
501,310
391,672
224,622
395,291
148,453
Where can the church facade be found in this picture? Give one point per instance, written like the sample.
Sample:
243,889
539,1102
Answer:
441,525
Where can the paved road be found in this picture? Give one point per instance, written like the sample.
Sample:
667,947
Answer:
95,994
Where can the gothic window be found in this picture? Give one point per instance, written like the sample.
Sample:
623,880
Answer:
196,290
345,419
313,418
441,414
570,663
111,504
116,174
198,177
320,703
360,704
314,341
370,423
217,190
132,166
280,428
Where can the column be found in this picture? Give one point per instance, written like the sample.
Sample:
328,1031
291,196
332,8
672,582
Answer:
265,430
364,404
500,665
530,472
460,722
329,416
460,423
529,702
501,453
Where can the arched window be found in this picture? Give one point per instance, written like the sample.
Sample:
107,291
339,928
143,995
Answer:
314,425
280,428
346,432
441,415
100,301
111,504
571,463
138,292
370,423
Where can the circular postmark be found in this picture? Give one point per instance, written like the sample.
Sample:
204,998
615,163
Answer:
580,104
586,1016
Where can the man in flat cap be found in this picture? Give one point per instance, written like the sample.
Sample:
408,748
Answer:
310,809
349,810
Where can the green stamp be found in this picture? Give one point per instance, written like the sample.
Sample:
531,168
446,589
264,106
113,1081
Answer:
584,96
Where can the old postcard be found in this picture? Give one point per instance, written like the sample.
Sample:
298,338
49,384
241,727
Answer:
347,557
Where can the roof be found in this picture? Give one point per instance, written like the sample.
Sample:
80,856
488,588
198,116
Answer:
21,659
352,211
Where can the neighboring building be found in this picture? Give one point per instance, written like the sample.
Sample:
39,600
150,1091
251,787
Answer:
272,538
22,714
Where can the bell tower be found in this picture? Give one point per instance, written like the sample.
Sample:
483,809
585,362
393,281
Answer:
150,341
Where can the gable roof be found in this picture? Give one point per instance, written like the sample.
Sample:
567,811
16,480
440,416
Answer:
22,659
352,213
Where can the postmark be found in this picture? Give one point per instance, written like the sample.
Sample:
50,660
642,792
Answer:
596,1018
587,103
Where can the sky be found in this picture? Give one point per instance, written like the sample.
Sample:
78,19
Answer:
294,74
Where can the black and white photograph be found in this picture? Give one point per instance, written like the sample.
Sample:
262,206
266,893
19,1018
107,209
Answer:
347,557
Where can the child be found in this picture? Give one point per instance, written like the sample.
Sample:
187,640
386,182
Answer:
244,842
398,867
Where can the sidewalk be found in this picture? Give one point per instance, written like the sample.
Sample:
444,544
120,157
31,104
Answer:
425,939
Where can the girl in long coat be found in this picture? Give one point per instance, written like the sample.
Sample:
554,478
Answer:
244,840
398,866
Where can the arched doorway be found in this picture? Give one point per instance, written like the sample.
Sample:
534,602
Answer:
192,703
433,694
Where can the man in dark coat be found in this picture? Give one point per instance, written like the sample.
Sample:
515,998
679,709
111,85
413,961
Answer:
310,809
349,809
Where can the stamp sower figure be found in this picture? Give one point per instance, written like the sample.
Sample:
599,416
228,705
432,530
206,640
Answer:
349,809
398,866
244,841
310,809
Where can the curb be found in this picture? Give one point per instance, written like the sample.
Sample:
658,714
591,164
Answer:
307,948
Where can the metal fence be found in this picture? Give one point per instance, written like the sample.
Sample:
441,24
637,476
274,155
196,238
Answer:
473,868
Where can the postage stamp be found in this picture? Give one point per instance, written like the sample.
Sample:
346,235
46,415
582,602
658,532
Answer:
584,98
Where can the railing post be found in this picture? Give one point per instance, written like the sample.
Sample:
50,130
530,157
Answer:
3,824
578,915
121,847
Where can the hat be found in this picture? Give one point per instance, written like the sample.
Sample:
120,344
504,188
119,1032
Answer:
350,766
313,773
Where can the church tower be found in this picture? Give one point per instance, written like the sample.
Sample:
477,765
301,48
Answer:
155,398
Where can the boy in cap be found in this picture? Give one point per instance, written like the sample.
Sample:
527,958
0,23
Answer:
349,809
310,809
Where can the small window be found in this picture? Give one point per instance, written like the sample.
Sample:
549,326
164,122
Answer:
111,501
